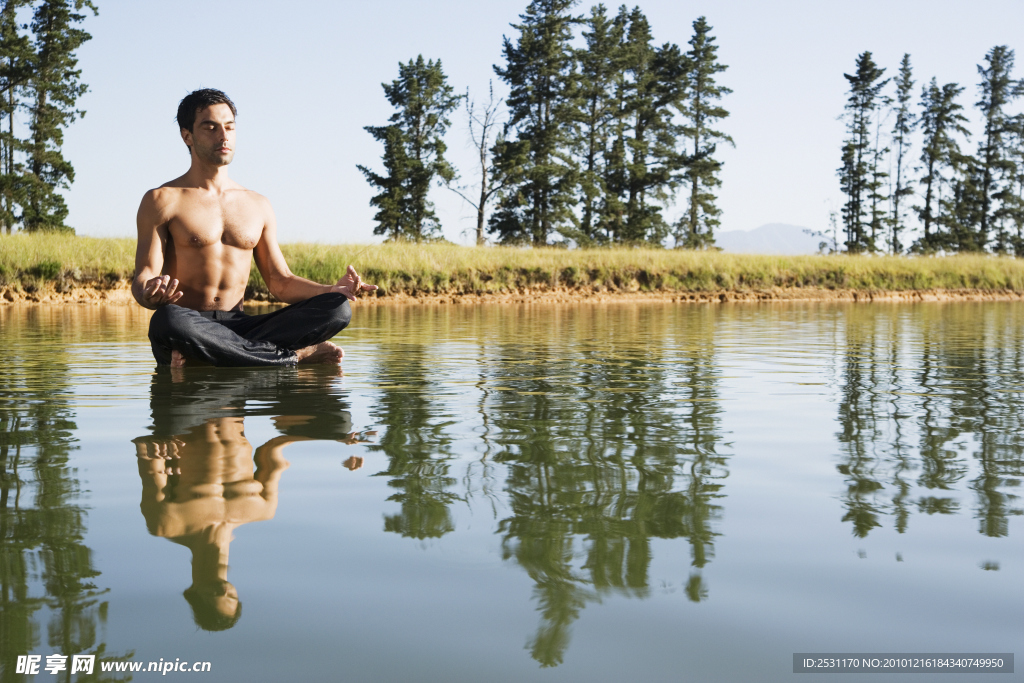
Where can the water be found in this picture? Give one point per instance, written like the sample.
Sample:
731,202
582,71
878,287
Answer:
509,493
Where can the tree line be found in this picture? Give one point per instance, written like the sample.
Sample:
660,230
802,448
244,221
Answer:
962,202
604,131
39,87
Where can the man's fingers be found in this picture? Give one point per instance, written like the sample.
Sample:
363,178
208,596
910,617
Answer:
162,290
171,289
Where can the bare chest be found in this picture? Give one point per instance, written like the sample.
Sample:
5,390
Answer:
200,224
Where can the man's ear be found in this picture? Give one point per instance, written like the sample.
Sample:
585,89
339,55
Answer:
186,135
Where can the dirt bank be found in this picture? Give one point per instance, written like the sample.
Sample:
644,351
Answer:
120,293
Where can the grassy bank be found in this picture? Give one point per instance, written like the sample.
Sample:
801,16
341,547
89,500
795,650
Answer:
35,261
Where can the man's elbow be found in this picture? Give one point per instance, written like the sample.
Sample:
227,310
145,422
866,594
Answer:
278,288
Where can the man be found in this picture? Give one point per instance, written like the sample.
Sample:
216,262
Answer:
198,235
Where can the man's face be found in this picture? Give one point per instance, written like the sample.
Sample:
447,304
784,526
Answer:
212,138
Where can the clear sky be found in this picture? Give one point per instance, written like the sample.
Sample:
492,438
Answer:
306,78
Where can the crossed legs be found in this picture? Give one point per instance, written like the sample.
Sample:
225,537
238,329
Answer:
295,334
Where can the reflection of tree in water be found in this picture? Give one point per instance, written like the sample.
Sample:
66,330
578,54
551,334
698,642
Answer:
963,388
941,465
42,523
415,442
594,475
987,405
860,432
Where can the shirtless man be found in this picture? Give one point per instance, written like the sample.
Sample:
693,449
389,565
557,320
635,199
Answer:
198,235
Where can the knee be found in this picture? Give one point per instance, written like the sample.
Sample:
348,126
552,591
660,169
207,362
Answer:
333,308
341,312
167,321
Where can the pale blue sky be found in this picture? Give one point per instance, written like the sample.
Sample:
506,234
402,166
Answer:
306,78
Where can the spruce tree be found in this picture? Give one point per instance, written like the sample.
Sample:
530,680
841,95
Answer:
55,87
15,69
534,159
903,126
998,90
940,122
413,151
697,226
857,168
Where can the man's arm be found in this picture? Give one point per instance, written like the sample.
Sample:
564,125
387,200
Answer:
285,285
149,287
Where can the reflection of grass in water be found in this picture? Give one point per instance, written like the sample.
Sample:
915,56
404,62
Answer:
447,268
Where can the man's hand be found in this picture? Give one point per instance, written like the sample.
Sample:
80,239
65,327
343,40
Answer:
351,284
160,291
166,450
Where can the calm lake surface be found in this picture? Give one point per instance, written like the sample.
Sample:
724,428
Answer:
508,493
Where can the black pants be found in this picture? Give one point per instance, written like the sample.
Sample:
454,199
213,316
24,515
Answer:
232,338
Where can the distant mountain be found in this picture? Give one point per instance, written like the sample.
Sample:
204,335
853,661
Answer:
773,238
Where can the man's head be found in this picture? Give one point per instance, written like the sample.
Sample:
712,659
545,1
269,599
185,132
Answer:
215,605
207,121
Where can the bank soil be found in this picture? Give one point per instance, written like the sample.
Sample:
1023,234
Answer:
120,293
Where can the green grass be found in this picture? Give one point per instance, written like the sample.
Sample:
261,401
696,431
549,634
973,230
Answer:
29,260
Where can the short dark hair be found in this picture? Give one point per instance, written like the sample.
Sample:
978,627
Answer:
198,100
206,615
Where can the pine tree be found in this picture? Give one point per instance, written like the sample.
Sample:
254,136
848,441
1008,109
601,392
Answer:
616,173
696,228
857,168
413,151
902,128
534,160
998,90
393,199
600,69
1012,208
55,85
962,207
655,84
940,122
15,70
877,217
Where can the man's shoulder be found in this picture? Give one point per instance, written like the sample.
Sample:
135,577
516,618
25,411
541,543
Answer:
256,200
168,193
252,195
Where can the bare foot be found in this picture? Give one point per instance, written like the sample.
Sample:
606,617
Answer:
177,360
325,352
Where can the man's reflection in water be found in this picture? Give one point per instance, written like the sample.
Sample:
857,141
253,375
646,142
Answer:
200,476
